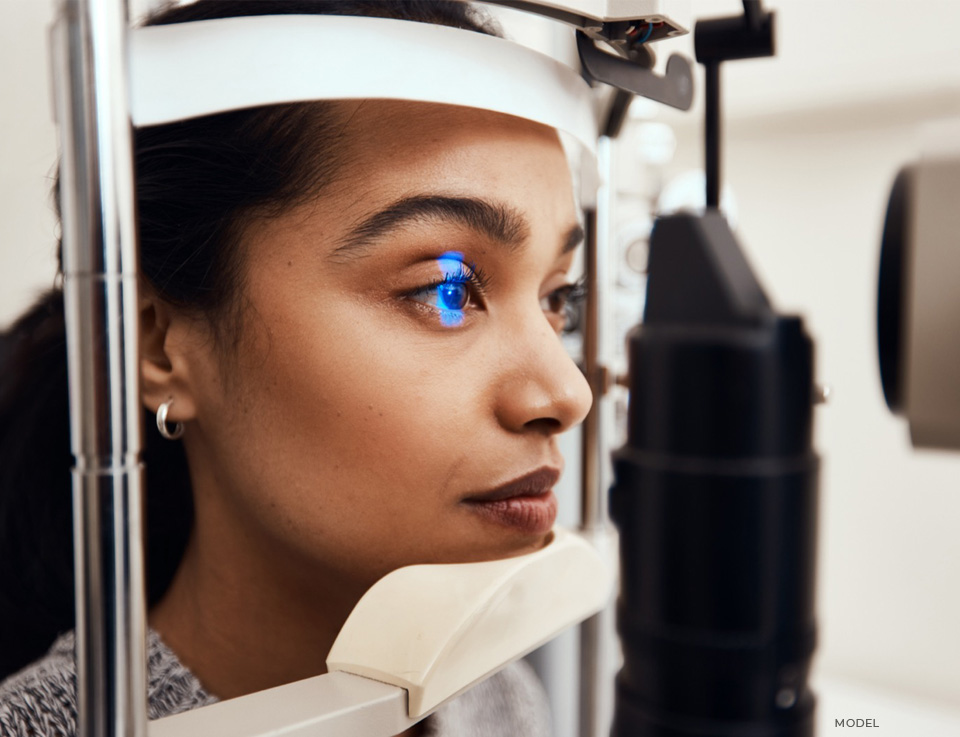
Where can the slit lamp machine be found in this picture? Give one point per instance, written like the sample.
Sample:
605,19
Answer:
715,490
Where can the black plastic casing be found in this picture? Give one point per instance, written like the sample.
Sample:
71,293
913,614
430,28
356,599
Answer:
715,497
891,290
726,39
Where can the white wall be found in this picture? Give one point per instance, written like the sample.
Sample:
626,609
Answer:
27,151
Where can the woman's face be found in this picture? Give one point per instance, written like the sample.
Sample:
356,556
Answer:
365,408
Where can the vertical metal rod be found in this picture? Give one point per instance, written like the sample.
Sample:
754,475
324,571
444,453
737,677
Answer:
100,298
712,133
590,487
596,247
589,481
596,633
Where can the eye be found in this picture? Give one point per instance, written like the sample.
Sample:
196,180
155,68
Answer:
457,291
565,303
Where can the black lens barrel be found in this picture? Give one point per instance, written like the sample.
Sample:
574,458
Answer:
715,496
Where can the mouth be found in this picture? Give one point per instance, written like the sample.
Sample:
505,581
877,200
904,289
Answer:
526,504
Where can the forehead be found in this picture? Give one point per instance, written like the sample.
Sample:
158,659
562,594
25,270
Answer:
379,117
397,148
416,132
392,153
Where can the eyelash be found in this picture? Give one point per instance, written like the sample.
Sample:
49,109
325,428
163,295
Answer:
573,294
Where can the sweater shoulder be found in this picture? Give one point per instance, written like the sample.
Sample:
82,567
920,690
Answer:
42,698
511,702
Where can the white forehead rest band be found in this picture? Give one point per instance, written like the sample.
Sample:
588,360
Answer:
186,70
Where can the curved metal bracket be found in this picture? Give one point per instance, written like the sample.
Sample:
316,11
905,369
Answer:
674,88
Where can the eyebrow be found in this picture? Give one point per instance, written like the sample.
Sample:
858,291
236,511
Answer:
498,222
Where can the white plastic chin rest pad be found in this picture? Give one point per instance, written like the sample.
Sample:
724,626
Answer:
186,70
435,630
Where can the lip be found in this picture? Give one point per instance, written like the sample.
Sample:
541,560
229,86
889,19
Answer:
526,504
535,483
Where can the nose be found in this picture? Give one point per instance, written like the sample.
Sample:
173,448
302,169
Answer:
540,386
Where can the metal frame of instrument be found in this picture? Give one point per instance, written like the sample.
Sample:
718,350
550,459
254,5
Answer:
90,43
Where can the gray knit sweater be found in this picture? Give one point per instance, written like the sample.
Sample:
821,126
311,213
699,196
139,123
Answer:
41,699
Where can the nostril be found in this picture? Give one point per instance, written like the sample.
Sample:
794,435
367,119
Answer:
550,424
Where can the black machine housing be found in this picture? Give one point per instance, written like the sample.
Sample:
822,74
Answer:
715,491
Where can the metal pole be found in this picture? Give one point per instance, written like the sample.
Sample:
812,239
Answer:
597,633
100,298
596,269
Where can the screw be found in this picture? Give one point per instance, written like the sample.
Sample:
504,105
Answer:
822,393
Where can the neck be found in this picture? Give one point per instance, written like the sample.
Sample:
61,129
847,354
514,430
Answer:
243,621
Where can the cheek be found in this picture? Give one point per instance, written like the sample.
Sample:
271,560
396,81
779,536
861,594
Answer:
359,419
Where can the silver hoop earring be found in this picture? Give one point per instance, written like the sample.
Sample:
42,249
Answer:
169,434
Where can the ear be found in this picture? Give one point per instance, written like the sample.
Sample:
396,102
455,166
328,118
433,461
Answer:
168,350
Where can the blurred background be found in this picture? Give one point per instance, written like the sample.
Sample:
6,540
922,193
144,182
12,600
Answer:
812,141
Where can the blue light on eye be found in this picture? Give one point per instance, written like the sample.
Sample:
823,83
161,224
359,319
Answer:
451,295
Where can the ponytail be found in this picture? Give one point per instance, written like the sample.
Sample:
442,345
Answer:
36,538
36,500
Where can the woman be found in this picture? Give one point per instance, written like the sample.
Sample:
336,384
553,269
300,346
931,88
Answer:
352,310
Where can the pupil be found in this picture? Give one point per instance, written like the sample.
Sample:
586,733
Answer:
452,296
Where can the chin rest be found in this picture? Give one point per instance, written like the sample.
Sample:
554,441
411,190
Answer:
436,630
416,639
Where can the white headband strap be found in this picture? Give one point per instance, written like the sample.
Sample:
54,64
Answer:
186,70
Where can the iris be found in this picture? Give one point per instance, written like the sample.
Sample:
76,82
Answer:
453,293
